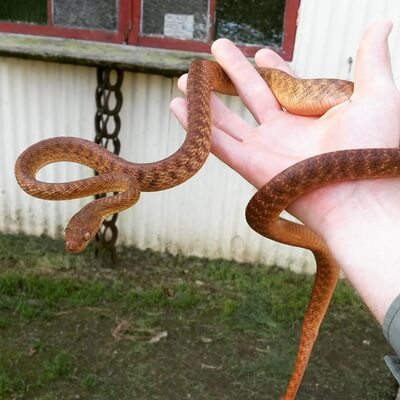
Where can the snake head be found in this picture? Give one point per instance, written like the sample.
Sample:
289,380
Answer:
81,229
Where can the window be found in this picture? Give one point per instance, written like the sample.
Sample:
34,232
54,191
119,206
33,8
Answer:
29,12
252,21
193,25
102,20
173,24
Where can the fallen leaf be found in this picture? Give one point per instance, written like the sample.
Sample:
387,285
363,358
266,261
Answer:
207,366
158,337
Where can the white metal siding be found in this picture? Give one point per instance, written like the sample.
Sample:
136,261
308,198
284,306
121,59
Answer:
39,100
329,32
204,216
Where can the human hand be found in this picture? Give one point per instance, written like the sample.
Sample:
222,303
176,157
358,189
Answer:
370,119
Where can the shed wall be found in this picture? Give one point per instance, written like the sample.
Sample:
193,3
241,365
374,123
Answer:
204,216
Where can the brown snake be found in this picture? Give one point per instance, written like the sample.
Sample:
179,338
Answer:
305,97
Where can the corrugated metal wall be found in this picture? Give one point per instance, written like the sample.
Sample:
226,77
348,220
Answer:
329,31
204,216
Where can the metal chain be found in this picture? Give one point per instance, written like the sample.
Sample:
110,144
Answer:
108,125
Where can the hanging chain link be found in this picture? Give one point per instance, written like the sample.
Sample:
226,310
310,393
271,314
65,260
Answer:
108,125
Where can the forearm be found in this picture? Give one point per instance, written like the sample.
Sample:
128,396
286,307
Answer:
360,224
367,251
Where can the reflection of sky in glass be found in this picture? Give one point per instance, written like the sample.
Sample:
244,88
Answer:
154,12
90,14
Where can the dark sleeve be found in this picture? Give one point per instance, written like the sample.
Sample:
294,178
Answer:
391,330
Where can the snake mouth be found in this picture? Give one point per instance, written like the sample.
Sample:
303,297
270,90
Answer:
74,247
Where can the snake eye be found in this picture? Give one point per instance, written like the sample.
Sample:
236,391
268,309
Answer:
87,236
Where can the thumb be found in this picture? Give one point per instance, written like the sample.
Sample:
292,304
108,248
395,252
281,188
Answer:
373,64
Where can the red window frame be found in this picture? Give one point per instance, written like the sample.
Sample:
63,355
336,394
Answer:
117,36
286,50
128,30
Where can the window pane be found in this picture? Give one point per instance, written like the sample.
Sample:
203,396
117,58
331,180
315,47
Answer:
31,11
250,21
180,19
89,14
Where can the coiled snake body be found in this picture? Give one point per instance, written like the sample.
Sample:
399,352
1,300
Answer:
306,97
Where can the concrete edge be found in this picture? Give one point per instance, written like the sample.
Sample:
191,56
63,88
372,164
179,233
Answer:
88,53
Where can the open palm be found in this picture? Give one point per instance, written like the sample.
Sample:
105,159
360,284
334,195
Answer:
370,119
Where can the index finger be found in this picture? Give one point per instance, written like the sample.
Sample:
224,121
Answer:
252,89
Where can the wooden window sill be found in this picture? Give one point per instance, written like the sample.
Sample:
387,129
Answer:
88,53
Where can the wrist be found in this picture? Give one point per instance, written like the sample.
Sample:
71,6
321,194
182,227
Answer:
366,249
359,221
342,206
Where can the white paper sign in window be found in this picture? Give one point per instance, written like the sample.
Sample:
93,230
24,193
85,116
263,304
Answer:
180,26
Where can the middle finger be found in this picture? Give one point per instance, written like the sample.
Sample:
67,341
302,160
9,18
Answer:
252,89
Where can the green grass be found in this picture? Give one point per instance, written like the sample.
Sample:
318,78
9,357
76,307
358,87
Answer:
77,326
59,367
